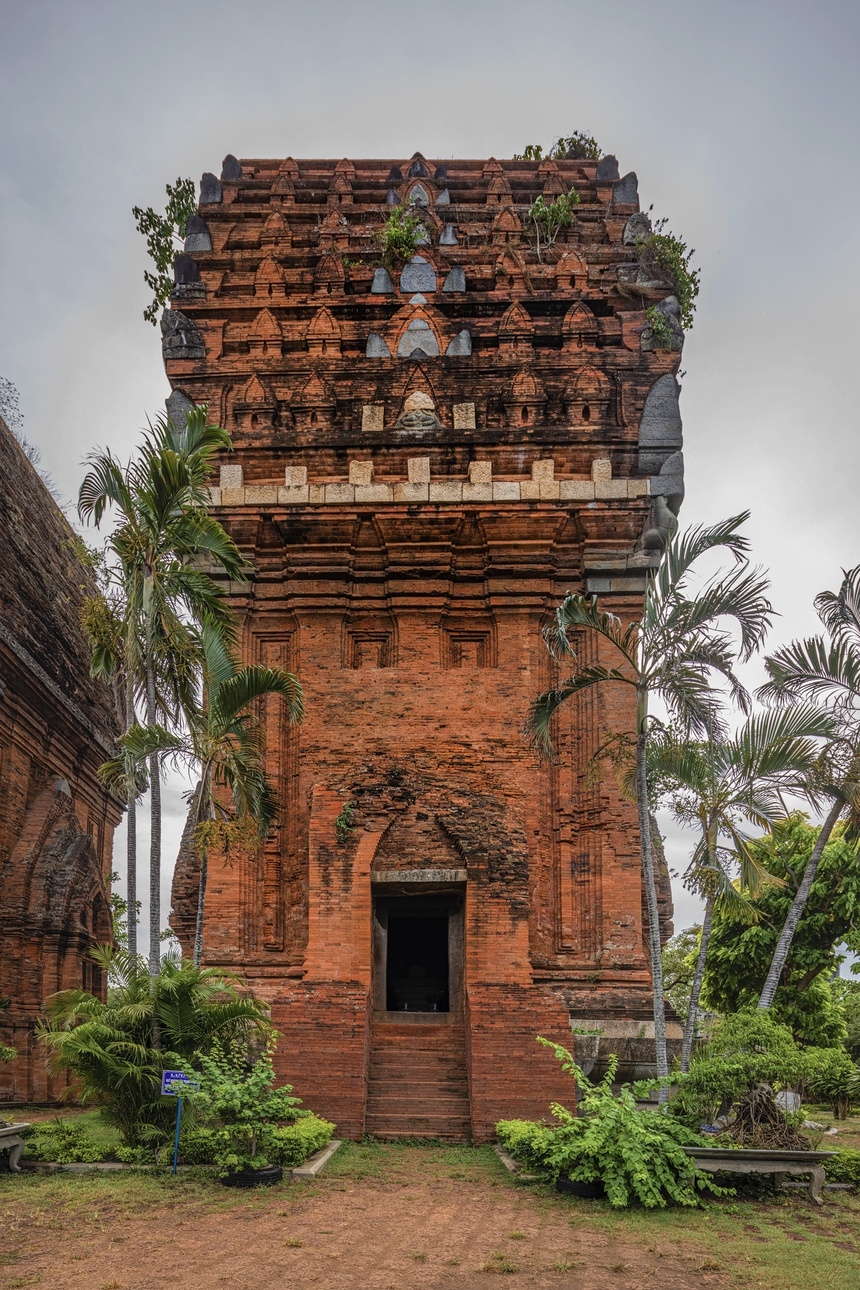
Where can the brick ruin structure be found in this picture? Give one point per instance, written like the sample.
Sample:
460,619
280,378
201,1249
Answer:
57,725
427,457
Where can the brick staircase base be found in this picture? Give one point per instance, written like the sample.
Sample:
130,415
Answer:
418,1087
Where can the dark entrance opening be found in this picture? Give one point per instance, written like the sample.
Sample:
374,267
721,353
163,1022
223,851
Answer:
417,959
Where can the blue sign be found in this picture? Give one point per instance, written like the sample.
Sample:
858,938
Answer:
177,1084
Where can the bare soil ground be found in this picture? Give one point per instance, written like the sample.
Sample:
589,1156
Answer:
398,1217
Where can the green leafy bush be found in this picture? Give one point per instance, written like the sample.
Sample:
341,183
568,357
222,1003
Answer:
664,337
638,1155
549,218
832,1077
844,1167
134,1155
65,1143
235,1115
291,1144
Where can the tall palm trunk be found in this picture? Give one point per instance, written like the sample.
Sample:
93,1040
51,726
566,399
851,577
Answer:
690,1023
651,894
131,837
798,905
206,813
155,833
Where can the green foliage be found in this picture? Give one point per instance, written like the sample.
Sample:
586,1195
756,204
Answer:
846,996
64,1142
664,337
679,968
134,1155
550,218
237,1115
667,258
291,1144
740,953
398,239
745,1050
344,823
638,1155
844,1167
578,146
832,1077
162,233
108,1047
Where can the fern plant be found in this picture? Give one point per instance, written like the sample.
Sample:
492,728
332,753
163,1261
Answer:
638,1155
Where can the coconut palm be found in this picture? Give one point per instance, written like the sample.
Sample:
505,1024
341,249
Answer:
233,801
824,669
680,644
163,534
719,785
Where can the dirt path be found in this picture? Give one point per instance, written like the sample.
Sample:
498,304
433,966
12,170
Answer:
369,1233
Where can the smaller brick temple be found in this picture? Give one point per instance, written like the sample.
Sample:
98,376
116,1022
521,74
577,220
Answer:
427,458
57,725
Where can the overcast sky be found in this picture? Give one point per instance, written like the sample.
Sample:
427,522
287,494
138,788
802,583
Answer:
740,118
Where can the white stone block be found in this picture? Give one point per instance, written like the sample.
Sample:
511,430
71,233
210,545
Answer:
261,494
361,472
214,496
412,492
549,490
374,493
418,470
478,492
529,490
340,493
316,494
373,418
610,489
295,476
601,469
480,472
450,491
543,471
638,487
294,495
232,497
231,477
505,490
464,416
579,490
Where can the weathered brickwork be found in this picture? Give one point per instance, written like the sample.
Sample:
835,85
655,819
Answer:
56,821
426,459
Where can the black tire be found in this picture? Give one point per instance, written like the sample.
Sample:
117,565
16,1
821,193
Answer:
265,1177
588,1190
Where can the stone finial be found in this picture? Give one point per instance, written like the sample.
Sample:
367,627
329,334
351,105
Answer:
626,191
178,405
376,346
461,345
607,169
210,189
180,338
456,280
382,284
197,235
231,170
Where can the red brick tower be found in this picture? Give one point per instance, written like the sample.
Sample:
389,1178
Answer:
426,460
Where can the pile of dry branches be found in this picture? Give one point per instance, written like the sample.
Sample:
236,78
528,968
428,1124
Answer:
759,1122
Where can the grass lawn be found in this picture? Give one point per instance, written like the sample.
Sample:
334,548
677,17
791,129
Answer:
394,1217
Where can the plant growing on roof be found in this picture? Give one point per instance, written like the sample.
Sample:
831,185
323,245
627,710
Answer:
666,258
399,237
164,236
674,651
579,146
549,218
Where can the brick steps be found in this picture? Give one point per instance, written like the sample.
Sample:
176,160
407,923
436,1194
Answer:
417,1084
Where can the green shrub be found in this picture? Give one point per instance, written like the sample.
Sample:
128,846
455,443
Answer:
134,1155
65,1143
549,218
844,1167
291,1144
832,1077
399,237
667,258
638,1155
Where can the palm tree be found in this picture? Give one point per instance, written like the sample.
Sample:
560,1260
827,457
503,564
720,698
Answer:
829,671
718,785
163,534
108,1047
224,741
674,651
